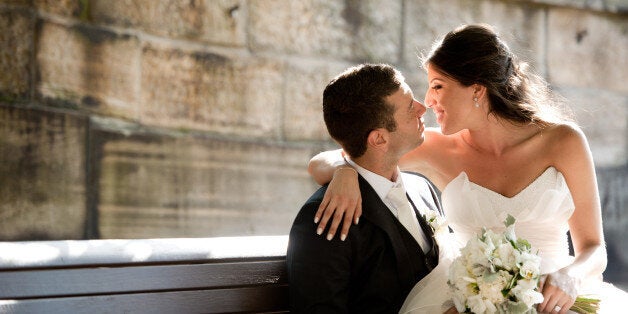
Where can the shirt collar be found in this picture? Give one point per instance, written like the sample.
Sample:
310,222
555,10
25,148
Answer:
380,184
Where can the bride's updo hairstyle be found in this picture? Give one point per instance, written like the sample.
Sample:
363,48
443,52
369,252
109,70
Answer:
474,54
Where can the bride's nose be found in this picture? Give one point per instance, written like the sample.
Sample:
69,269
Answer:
429,100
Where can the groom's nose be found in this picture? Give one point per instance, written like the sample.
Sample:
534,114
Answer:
420,109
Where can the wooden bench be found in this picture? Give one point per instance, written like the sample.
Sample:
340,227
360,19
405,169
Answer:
205,275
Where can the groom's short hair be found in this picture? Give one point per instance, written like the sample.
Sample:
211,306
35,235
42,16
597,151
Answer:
354,104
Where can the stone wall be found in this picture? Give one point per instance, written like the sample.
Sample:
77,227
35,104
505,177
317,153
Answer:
134,119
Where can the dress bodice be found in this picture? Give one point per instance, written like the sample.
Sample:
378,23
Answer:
541,210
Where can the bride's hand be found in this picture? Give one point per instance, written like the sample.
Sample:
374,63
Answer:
342,200
559,292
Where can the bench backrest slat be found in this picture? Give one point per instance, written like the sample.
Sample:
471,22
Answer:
251,299
107,280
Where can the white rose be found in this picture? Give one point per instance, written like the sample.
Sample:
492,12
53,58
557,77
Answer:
506,256
477,252
524,291
529,270
491,286
530,265
476,304
459,301
493,238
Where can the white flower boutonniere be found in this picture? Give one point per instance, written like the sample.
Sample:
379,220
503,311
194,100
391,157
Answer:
436,222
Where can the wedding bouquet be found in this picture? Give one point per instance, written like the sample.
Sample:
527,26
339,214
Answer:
496,273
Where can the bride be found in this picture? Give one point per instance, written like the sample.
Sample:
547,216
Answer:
504,147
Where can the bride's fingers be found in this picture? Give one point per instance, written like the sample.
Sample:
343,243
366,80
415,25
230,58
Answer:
346,222
555,300
337,218
321,208
329,210
549,300
358,212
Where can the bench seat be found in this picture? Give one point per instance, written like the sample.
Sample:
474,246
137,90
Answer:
200,275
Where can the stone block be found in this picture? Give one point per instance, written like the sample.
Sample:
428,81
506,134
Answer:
42,174
520,25
354,30
603,116
153,185
70,8
587,49
89,68
220,22
16,49
303,112
200,90
17,2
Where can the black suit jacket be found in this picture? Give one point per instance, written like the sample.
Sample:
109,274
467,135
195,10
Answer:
372,271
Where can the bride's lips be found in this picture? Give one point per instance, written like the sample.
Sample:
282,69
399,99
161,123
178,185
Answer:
439,115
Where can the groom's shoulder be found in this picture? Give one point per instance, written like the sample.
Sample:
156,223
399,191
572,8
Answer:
309,208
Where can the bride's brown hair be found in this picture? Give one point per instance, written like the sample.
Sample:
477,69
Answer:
475,54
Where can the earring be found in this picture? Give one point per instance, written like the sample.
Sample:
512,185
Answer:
476,104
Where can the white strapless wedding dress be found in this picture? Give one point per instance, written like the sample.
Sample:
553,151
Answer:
541,210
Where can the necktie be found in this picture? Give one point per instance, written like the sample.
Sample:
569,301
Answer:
406,215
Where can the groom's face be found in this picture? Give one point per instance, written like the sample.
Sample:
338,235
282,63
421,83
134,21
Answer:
409,118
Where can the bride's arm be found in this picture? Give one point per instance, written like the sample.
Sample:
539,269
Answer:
342,198
573,159
324,164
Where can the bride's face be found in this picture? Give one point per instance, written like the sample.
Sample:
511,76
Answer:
451,101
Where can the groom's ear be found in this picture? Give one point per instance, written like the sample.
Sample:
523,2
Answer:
378,139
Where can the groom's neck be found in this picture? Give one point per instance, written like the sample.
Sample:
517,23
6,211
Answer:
378,165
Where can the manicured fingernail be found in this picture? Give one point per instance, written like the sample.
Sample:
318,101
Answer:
343,237
319,231
357,220
315,220
329,237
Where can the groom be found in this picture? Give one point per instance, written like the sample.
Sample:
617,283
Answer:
371,112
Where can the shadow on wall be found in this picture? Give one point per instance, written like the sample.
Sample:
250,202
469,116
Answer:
612,186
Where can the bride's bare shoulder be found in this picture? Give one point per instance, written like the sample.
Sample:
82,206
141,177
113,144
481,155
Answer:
566,133
564,139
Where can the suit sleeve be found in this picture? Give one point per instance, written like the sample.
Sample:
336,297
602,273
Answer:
319,271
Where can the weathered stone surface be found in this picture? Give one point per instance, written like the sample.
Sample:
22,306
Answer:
16,49
520,26
17,2
612,182
618,6
586,50
353,30
209,91
603,116
42,174
72,8
303,112
90,68
155,185
220,22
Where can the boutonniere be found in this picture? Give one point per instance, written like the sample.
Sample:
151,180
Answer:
436,221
